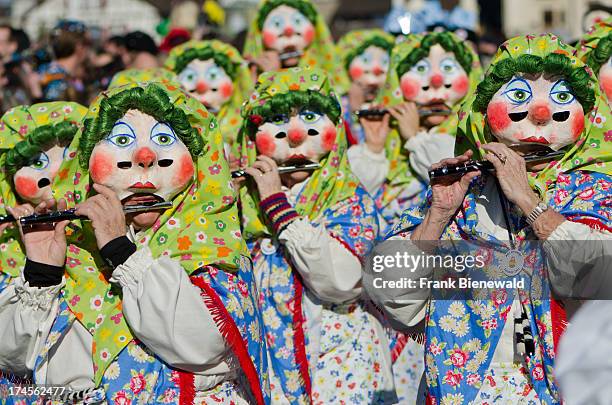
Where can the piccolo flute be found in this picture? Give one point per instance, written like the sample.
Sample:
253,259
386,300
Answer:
455,171
426,112
282,169
69,215
289,55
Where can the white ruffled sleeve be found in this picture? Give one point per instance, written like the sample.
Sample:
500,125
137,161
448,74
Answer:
166,311
26,315
578,260
370,168
327,267
427,148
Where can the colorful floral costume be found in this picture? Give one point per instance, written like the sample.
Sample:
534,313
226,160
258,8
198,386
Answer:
319,352
595,48
462,336
229,114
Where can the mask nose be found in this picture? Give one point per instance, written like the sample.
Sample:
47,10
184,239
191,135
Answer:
145,157
378,71
201,87
540,113
436,80
288,31
296,136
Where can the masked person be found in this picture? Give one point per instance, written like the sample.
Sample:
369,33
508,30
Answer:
595,49
309,230
365,57
430,75
288,33
155,306
33,141
536,95
215,74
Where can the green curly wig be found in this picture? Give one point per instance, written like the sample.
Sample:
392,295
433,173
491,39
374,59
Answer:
601,54
204,54
302,6
152,101
284,104
374,41
554,64
446,41
40,139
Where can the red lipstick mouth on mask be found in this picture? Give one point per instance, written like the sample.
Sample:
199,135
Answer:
536,139
146,186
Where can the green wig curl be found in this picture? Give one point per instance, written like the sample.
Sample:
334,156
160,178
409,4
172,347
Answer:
446,41
204,54
601,54
37,141
553,63
152,101
285,103
374,41
302,6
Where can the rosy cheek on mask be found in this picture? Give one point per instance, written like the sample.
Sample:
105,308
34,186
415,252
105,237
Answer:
497,116
577,124
269,38
460,85
355,72
606,84
329,137
186,171
26,187
309,35
101,167
265,143
226,89
410,88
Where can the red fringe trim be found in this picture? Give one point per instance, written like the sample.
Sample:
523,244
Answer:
347,247
232,335
349,134
559,321
593,224
400,343
299,340
187,388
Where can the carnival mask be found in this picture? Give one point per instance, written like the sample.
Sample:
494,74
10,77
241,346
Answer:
33,182
435,80
286,30
304,136
142,160
207,82
369,70
539,109
605,79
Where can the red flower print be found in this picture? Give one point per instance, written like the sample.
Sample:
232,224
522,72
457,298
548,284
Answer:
499,297
458,357
214,169
560,196
219,241
538,372
256,119
354,231
72,262
435,349
608,136
472,379
452,379
587,194
137,384
490,324
23,129
563,179
242,287
120,398
75,300
74,249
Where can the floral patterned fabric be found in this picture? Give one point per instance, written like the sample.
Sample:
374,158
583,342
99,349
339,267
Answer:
15,126
131,76
320,54
349,351
229,114
200,230
590,41
138,376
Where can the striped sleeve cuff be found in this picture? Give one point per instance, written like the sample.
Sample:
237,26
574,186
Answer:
278,211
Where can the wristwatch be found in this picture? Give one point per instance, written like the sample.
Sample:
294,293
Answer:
536,212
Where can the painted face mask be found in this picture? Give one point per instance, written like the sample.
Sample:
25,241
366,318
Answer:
32,146
287,30
215,74
207,82
595,49
142,160
294,25
436,79
559,105
538,109
304,135
33,182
